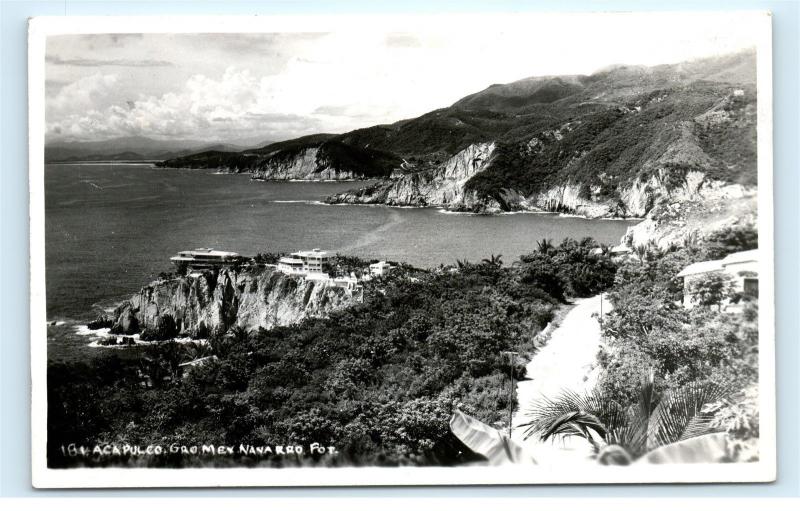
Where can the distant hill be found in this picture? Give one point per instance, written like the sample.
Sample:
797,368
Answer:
545,142
130,148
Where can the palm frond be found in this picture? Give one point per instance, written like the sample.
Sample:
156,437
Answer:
631,432
647,396
574,424
680,416
547,416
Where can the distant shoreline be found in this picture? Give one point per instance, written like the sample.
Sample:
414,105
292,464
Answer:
103,162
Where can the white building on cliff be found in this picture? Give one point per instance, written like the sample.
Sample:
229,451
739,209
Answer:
380,268
304,262
740,267
206,259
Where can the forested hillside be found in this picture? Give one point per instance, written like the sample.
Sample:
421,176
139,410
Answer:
621,129
378,380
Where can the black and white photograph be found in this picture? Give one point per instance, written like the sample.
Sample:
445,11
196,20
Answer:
417,250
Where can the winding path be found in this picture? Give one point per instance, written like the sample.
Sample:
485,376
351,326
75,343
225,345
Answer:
567,361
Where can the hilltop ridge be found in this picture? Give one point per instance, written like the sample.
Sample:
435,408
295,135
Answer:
612,144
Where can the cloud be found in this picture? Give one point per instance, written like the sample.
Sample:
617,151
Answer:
269,43
81,95
110,62
286,84
53,86
116,40
236,105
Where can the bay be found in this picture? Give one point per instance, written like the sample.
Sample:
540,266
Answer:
111,228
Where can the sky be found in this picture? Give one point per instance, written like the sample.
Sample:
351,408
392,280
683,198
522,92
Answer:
243,88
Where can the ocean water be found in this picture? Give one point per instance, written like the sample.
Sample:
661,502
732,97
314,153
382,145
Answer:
111,228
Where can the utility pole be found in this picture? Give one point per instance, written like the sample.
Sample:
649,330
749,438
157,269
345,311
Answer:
511,355
601,307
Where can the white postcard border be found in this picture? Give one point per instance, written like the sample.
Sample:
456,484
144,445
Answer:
44,477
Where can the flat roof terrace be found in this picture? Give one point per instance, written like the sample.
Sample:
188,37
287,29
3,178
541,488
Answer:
208,252
311,254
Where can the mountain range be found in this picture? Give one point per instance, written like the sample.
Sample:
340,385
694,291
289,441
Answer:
130,148
606,144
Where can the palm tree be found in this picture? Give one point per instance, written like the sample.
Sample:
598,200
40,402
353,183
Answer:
196,350
152,370
641,252
494,260
223,345
173,355
162,361
621,436
545,246
238,334
690,240
653,250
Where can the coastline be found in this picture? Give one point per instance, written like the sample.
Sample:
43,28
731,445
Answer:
442,209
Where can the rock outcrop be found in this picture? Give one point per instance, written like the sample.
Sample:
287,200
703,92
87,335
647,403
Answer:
126,323
674,220
443,186
209,302
308,165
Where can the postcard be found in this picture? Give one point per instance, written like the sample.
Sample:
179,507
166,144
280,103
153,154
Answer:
508,248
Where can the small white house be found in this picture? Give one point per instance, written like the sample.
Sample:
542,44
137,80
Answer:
621,250
380,268
350,282
741,267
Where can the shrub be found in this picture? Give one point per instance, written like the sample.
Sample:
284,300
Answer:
712,289
729,240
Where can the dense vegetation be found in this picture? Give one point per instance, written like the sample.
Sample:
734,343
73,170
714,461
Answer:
231,161
378,380
607,149
649,330
364,162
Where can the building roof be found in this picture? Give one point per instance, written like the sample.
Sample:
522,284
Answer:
380,264
701,267
290,260
311,253
748,256
209,251
745,256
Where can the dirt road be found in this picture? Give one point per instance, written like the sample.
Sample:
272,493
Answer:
567,362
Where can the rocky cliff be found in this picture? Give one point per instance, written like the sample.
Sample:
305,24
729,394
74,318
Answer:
674,220
442,186
215,303
307,165
446,186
